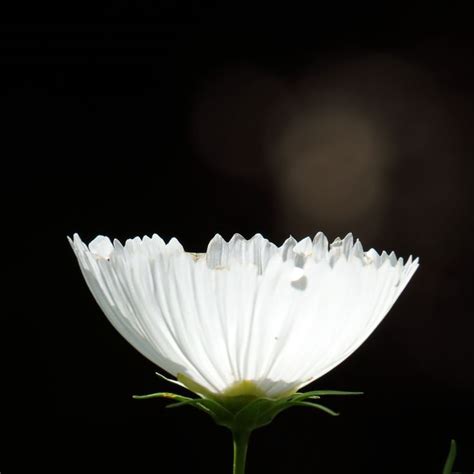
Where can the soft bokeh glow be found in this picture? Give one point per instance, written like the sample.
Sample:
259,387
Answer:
329,166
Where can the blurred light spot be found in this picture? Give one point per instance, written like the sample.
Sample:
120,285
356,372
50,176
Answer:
329,166
352,145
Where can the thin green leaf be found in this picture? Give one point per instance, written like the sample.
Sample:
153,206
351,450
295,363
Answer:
211,407
448,467
326,392
318,406
161,395
193,401
303,396
197,405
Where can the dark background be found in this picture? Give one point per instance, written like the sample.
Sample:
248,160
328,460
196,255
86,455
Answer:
185,120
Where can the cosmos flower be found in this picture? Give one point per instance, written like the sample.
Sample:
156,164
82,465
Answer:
246,317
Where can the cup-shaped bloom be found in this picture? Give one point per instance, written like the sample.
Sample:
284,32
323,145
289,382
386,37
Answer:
246,317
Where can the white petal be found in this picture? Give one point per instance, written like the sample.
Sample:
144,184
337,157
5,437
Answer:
347,245
304,246
320,247
125,288
367,298
256,251
114,305
357,251
174,246
287,249
268,327
217,252
335,251
279,317
296,274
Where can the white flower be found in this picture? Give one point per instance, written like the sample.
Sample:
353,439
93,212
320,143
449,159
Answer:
246,317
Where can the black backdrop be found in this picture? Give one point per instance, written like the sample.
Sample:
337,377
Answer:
145,117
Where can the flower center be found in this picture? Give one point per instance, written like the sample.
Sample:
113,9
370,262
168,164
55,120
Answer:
243,387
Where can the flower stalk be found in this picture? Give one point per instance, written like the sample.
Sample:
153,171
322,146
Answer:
243,414
241,441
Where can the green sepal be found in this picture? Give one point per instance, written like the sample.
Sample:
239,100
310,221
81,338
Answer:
246,413
211,407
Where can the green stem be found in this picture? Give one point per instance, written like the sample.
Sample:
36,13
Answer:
241,441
